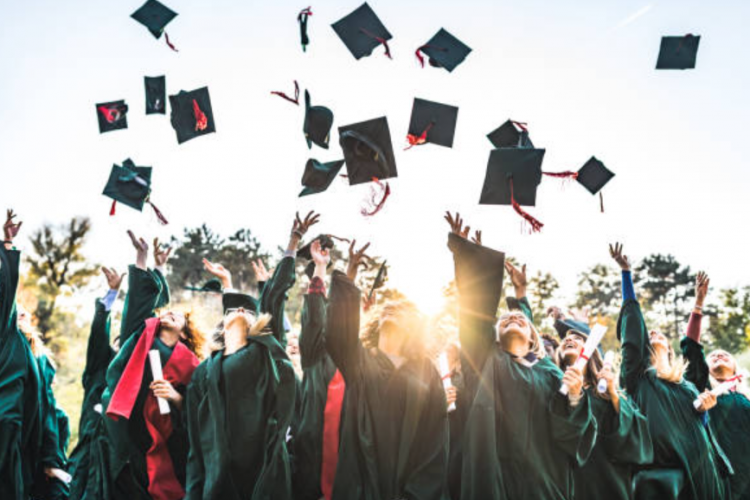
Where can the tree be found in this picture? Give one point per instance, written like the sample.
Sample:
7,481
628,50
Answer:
665,281
599,289
542,287
57,266
729,326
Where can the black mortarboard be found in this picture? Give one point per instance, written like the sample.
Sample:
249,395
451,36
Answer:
444,50
154,16
678,52
522,166
112,116
319,176
510,134
211,286
380,279
361,31
368,151
594,175
435,121
563,326
156,95
129,184
479,276
191,114
317,125
326,243
234,300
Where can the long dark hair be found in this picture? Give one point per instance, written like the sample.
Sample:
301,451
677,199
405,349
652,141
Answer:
593,367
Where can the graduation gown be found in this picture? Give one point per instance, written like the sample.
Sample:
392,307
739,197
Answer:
730,420
684,449
274,295
130,439
394,439
239,408
20,391
89,460
522,439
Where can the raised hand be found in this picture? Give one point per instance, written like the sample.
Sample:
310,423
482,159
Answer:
517,278
220,272
622,260
141,248
321,256
114,279
261,273
555,313
356,259
161,254
300,227
573,378
581,314
10,228
701,289
477,237
456,223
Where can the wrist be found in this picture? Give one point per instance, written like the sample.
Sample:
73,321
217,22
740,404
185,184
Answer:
226,283
520,292
140,262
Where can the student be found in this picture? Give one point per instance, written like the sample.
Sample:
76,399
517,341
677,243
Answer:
730,418
394,439
522,438
89,460
149,450
687,464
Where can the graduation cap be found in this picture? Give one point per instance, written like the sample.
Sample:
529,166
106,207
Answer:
211,286
319,176
479,275
510,134
380,279
432,122
368,151
317,125
235,300
594,175
156,95
513,175
361,31
678,52
444,51
191,114
563,326
155,16
326,243
131,186
112,116
302,20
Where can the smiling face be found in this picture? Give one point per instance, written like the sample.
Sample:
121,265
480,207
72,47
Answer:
514,326
173,321
571,346
658,341
721,364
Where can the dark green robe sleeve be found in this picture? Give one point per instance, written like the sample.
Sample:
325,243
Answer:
697,369
522,305
144,292
99,352
196,474
625,435
8,289
274,296
633,334
312,346
51,455
573,427
342,326
164,295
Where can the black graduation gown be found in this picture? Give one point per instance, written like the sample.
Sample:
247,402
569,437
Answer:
275,294
394,437
239,409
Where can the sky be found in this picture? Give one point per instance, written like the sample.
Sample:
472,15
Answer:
580,73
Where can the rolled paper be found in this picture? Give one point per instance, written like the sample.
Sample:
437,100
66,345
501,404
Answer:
609,358
595,337
722,389
445,374
155,361
61,475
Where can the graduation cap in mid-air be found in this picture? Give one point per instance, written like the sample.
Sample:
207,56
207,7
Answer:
192,115
155,16
211,286
156,95
593,175
432,122
368,151
326,243
678,52
444,51
131,185
317,124
362,31
302,20
511,134
513,175
319,176
112,116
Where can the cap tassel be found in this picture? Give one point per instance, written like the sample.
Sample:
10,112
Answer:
521,125
112,114
160,216
536,226
418,141
419,55
377,205
682,40
601,201
302,20
201,120
171,46
568,174
112,209
284,96
379,40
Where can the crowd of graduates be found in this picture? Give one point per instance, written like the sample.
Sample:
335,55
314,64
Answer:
373,416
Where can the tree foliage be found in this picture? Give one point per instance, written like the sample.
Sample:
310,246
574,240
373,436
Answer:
729,324
664,281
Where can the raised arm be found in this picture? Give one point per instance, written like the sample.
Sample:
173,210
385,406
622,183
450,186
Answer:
99,352
9,263
311,338
697,370
520,283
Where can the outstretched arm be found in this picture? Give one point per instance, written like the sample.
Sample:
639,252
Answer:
99,352
697,370
311,338
520,283
9,263
143,294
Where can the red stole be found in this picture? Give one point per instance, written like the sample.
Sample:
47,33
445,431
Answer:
331,423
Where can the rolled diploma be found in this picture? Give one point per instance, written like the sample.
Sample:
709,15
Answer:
595,337
62,475
609,358
445,373
155,361
721,389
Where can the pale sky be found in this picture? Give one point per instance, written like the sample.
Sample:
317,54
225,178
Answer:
581,73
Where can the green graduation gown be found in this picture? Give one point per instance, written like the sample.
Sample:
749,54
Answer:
20,391
730,420
394,437
274,295
239,408
682,441
89,460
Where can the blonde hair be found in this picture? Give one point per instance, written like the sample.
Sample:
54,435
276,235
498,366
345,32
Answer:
258,328
409,319
537,342
672,370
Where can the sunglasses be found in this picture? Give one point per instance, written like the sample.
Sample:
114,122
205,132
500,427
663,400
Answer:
232,310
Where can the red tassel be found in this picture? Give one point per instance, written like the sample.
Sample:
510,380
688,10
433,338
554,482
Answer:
284,96
377,205
601,201
536,226
112,210
304,12
379,40
166,39
201,120
564,175
110,114
419,55
682,40
521,125
160,216
418,141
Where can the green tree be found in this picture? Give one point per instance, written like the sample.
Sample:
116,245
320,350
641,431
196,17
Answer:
729,325
664,281
599,289
542,287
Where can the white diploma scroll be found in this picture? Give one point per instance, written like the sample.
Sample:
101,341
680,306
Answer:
595,337
445,374
609,359
155,361
722,389
61,475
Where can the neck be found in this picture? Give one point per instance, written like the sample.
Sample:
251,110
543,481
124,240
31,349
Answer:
235,338
515,345
662,356
169,337
722,376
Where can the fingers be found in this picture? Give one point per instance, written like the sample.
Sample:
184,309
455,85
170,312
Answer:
351,248
133,239
523,270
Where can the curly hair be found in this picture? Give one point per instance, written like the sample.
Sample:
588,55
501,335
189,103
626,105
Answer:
194,337
410,322
259,327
